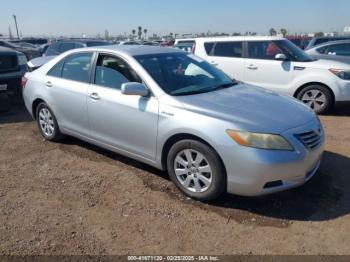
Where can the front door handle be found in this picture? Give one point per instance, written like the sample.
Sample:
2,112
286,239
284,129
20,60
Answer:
94,96
49,84
252,67
214,63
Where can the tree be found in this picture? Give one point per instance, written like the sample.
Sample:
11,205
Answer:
139,31
319,34
284,32
273,32
133,32
145,32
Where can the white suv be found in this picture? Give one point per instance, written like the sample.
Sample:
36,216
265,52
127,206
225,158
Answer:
277,64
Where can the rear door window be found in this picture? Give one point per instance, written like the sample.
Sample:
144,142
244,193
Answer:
228,49
224,49
77,67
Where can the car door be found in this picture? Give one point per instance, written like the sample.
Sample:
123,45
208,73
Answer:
227,56
262,69
68,83
128,123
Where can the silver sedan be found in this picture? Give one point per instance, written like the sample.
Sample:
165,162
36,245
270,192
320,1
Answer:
176,112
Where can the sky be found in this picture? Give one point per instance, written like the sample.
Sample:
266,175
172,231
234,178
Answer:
90,17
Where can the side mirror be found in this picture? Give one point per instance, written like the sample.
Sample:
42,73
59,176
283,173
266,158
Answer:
281,57
134,89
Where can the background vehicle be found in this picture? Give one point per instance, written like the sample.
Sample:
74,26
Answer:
12,68
278,65
300,41
129,43
321,40
62,46
29,52
337,50
43,48
210,133
26,45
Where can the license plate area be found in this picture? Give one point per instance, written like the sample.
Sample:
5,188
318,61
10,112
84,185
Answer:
3,87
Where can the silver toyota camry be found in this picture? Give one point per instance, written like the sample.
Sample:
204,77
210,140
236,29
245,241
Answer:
176,112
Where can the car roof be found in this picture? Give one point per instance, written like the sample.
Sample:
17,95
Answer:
134,50
331,43
240,38
79,40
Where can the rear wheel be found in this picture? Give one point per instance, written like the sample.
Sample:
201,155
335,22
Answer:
47,123
317,97
196,170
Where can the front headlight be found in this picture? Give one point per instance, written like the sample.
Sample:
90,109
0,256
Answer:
262,141
343,74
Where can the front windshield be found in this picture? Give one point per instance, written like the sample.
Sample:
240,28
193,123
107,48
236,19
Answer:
183,74
294,52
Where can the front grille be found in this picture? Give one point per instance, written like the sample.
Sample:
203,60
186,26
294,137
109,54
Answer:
311,139
8,63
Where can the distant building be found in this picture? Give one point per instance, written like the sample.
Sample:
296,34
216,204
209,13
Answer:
347,29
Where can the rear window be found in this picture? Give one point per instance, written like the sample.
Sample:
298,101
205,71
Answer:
66,46
52,50
8,62
224,49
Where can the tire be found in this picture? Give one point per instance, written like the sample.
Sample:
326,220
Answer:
318,97
47,123
195,180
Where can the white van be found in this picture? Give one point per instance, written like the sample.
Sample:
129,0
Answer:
277,64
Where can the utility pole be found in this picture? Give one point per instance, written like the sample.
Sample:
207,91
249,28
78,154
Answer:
14,17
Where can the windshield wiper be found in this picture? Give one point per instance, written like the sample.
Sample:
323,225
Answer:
223,86
206,90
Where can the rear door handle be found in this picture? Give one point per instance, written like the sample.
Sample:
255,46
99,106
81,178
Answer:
94,96
49,84
214,63
252,67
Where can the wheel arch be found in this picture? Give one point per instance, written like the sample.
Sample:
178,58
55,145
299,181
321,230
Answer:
35,104
183,136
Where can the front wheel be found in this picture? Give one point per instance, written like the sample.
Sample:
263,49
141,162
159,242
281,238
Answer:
317,97
195,168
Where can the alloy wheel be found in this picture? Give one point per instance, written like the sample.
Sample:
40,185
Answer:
46,122
315,99
193,171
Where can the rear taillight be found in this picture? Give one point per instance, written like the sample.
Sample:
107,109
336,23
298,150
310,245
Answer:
194,48
24,82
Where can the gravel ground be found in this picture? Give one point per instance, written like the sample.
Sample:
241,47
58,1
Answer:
74,198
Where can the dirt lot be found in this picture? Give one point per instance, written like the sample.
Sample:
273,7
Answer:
73,198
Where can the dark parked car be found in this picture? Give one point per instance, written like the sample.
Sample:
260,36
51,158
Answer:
62,46
12,68
301,41
321,40
30,53
34,41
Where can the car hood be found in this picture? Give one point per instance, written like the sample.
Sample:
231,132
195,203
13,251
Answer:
342,59
321,63
250,108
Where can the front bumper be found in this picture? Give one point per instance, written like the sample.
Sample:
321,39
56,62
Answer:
254,172
343,91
